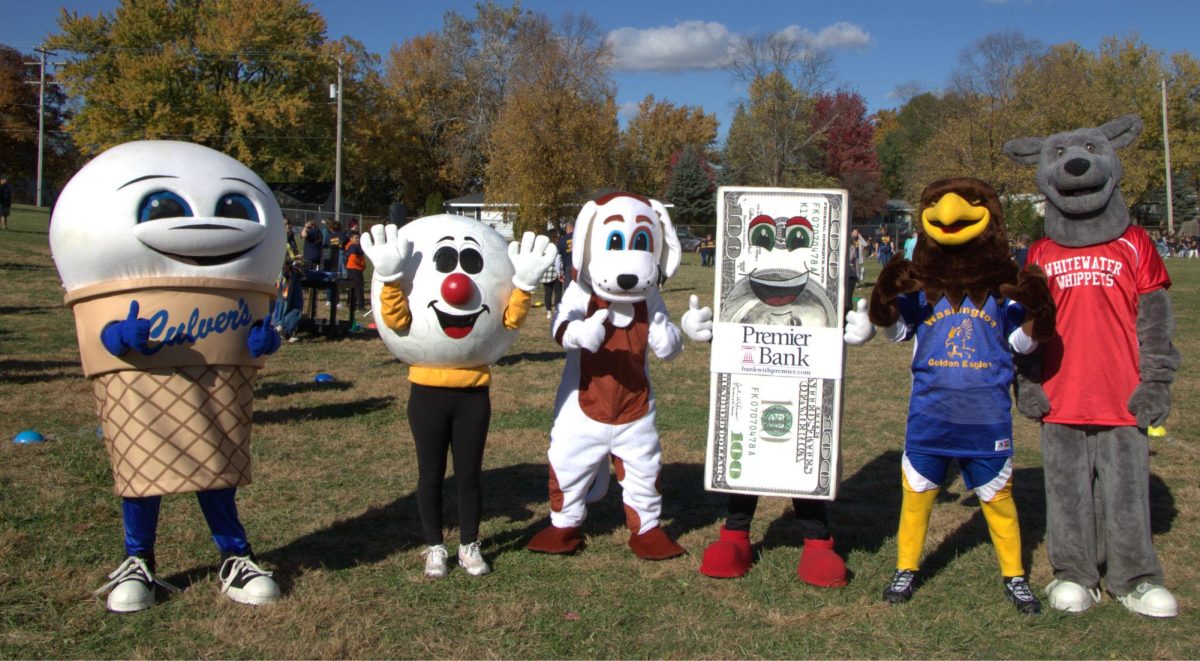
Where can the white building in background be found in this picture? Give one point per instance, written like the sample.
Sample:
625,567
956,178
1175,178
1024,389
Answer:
492,214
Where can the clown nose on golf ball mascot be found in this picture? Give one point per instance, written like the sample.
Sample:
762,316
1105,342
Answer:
610,319
968,308
448,296
169,252
1105,376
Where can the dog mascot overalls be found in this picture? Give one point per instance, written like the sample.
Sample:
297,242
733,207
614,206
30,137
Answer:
610,320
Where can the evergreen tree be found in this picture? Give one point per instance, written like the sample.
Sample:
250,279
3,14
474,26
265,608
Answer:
691,188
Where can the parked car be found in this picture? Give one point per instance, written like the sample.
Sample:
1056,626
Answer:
687,241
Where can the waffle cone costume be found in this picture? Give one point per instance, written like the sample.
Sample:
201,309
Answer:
177,420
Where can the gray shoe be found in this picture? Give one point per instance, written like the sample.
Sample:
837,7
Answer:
472,560
1152,600
435,561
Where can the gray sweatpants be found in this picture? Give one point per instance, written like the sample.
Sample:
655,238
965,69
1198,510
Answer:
1098,506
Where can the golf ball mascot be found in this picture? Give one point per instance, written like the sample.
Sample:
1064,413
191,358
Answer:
968,308
448,294
169,253
1105,376
610,320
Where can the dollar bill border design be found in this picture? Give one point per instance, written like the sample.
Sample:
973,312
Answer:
729,229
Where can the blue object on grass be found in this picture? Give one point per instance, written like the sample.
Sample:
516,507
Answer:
26,436
323,377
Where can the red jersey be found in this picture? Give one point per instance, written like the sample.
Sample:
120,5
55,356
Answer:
1091,365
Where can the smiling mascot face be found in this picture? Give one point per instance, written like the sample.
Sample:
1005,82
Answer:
773,276
460,278
166,209
629,246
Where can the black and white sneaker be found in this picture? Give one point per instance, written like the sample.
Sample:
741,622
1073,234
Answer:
131,587
901,587
1018,592
243,581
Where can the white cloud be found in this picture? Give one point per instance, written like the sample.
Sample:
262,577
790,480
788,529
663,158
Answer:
627,111
686,45
693,45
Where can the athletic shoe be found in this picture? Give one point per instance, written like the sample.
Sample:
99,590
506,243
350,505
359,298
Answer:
243,581
132,586
471,560
435,561
1070,596
901,587
1018,592
549,314
293,339
1150,599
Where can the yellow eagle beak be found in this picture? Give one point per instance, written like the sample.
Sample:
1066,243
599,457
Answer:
954,221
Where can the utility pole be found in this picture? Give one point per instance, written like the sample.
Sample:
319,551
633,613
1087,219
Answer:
41,115
1167,159
337,161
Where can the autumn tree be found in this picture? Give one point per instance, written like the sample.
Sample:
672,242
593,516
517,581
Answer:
692,188
848,149
659,130
553,141
19,127
246,77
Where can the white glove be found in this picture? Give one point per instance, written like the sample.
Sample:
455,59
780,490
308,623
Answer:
859,329
530,260
587,334
388,253
663,337
697,322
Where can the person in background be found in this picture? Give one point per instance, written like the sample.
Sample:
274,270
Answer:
356,263
708,251
884,254
564,251
291,238
910,244
335,241
5,201
1021,251
552,281
311,235
858,245
290,301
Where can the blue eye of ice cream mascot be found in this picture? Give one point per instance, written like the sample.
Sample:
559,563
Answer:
162,204
236,205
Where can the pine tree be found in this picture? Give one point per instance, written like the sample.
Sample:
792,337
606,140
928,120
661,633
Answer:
691,189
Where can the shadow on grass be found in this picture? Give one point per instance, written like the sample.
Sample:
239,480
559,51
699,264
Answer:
17,266
324,411
23,309
284,389
33,371
532,357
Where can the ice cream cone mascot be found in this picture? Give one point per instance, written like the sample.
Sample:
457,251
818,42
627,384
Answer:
967,306
447,298
1105,376
169,252
610,319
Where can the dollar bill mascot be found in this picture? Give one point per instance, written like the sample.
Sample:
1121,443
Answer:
168,252
1110,286
968,308
448,296
611,318
769,294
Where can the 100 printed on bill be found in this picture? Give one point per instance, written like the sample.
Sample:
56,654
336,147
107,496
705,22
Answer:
777,352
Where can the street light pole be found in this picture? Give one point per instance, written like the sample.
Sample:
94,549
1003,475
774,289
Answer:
1167,160
337,177
41,116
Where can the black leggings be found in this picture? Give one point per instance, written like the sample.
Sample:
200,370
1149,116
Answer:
813,521
441,419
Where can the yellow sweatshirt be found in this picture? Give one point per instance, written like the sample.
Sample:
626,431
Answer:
397,316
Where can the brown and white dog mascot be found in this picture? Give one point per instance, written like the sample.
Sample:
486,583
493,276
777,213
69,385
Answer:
625,248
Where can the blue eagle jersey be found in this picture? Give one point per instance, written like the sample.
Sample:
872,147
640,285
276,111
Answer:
962,370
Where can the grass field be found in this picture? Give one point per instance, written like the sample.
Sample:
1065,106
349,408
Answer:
332,511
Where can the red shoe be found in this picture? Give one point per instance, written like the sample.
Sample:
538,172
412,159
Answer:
729,556
820,565
556,540
654,545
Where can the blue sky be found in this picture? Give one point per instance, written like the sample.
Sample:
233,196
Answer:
673,48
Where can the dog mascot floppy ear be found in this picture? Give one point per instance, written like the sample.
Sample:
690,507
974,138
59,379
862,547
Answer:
1110,286
625,247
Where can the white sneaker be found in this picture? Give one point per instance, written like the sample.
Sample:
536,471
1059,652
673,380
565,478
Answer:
472,560
549,314
1070,596
132,587
1150,599
435,561
243,581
